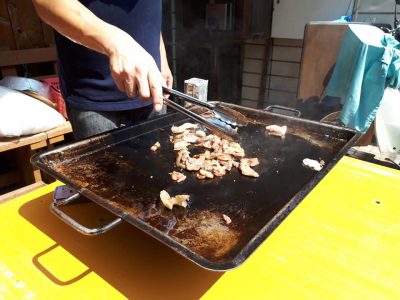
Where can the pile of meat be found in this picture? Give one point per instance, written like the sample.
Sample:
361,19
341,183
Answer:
218,155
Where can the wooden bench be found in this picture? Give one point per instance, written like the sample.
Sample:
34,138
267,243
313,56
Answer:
17,151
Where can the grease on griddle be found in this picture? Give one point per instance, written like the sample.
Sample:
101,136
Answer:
206,234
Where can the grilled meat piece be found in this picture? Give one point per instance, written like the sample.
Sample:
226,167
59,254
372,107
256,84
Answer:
252,162
246,169
190,138
194,164
219,171
276,130
200,133
177,176
155,147
234,149
227,219
183,127
169,201
181,158
206,174
181,145
312,164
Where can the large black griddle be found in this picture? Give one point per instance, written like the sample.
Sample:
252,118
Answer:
118,171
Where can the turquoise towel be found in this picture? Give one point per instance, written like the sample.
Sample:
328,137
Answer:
368,62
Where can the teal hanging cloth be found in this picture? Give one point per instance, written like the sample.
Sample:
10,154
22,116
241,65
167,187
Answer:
368,62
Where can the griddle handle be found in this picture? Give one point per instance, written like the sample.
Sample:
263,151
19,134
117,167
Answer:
74,224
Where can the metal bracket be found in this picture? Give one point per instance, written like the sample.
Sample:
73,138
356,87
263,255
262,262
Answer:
57,202
283,110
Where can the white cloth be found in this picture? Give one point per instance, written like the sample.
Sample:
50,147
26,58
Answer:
23,115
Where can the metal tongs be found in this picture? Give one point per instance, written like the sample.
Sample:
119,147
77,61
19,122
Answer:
224,122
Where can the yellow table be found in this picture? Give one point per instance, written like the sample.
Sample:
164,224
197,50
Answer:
341,242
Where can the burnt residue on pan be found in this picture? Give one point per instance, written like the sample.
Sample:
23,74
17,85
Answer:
118,171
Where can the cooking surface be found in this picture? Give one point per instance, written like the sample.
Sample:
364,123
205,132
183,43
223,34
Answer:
120,172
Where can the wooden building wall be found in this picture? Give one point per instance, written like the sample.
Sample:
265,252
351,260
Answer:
22,29
271,72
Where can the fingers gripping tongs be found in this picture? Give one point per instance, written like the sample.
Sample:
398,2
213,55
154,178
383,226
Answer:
223,121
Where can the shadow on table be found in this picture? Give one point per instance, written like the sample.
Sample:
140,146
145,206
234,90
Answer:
131,261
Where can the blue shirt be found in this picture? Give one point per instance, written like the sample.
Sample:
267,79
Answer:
368,62
85,77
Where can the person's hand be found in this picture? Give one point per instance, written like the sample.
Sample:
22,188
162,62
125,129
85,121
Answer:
134,70
166,72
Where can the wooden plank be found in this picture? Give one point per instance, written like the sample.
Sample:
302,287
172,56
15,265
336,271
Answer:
37,175
21,191
252,80
250,93
281,83
27,56
252,65
7,40
321,46
62,129
26,24
17,142
287,69
36,139
284,53
38,145
56,139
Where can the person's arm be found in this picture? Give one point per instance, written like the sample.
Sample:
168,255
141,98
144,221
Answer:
132,67
165,70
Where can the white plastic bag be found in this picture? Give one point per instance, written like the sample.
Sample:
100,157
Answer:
23,115
23,83
387,124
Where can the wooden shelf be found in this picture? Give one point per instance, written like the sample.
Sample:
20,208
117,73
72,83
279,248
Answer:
36,141
23,148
